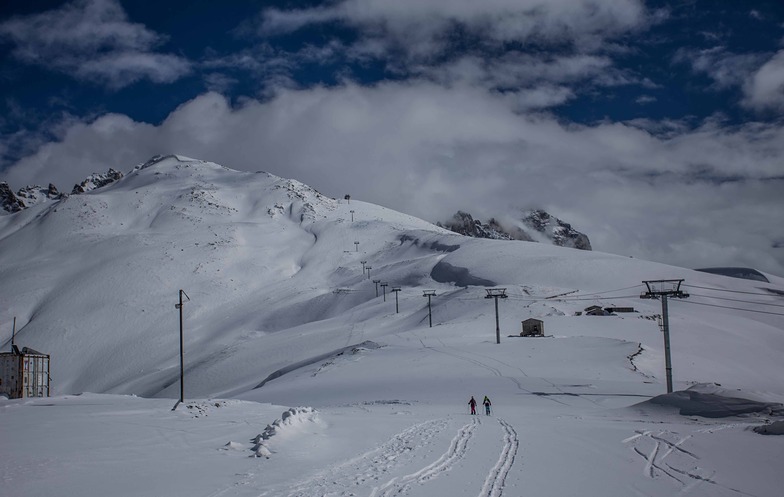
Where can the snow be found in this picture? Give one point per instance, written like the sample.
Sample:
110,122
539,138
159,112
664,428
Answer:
299,381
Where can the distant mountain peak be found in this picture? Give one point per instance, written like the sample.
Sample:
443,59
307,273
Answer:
560,232
9,202
29,196
96,180
533,226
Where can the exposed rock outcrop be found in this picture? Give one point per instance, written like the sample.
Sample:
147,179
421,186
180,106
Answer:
535,225
9,202
97,180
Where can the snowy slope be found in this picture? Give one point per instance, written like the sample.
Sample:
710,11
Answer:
281,313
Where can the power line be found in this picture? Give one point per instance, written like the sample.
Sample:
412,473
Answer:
524,299
515,297
734,291
609,291
737,300
733,308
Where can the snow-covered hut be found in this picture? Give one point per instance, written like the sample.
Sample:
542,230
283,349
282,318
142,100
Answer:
24,373
595,310
532,328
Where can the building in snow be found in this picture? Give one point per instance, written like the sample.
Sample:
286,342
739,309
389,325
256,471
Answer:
595,310
532,328
24,373
613,310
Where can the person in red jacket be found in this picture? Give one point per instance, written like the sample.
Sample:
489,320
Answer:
472,403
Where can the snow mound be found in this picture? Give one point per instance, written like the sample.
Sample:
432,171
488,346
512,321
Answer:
708,401
233,446
293,421
776,428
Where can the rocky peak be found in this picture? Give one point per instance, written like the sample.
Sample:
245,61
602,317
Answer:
96,180
32,195
9,202
560,232
535,225
465,224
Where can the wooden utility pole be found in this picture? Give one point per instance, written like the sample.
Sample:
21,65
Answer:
664,289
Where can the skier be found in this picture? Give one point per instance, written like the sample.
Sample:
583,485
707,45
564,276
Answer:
487,405
472,403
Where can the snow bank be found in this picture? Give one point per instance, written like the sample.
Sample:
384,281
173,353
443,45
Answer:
292,421
709,401
776,428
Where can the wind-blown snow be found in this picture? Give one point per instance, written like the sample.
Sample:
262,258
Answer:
301,381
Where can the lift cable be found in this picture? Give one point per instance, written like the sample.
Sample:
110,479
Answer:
736,300
728,307
733,291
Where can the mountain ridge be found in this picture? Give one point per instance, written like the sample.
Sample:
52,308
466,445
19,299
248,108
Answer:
533,225
267,262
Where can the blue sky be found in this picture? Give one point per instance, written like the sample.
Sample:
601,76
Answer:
654,127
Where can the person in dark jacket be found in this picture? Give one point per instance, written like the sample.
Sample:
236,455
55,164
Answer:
487,405
472,403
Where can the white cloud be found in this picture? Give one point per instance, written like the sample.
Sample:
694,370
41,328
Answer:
698,197
422,29
515,69
764,89
725,68
512,19
93,40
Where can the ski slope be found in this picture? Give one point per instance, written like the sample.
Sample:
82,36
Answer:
300,380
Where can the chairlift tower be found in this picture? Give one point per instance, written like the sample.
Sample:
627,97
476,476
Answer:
665,289
182,360
496,293
384,286
396,289
376,282
429,294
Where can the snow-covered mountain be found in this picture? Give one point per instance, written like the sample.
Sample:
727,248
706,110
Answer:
32,195
531,226
289,302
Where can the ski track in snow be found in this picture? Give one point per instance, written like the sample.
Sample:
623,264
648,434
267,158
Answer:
345,478
349,478
457,450
684,471
494,483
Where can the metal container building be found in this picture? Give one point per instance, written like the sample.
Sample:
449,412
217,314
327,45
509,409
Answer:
24,373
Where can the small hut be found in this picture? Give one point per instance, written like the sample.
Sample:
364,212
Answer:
595,310
532,328
613,310
24,373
